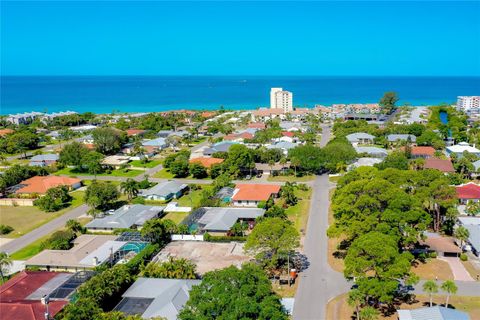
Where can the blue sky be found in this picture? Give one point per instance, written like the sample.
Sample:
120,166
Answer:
233,38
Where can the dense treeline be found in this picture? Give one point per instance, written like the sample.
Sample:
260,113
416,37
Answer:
381,215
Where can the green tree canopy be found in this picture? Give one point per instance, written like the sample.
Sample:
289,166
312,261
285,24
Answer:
233,293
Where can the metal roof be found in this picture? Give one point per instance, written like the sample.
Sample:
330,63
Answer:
45,157
432,313
157,297
165,188
354,137
125,217
222,219
158,142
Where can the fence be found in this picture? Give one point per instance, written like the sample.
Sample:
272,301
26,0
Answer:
12,202
187,237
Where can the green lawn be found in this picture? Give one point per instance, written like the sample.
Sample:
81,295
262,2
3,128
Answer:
291,178
115,173
149,165
163,174
334,179
192,199
298,213
25,219
176,217
29,251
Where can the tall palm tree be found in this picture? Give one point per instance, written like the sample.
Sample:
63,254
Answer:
450,288
129,188
430,287
462,234
5,263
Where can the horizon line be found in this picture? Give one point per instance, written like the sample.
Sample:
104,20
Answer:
231,75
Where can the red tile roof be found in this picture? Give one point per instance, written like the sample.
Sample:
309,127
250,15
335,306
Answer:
439,164
234,136
134,132
468,191
288,134
207,162
39,184
13,294
208,114
255,192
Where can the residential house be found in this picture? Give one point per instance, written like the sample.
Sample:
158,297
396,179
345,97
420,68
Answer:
239,137
373,152
264,114
443,165
283,145
116,161
157,144
20,297
41,184
360,138
165,191
126,217
88,252
220,220
207,162
432,313
364,162
257,125
250,195
156,297
472,224
43,160
225,194
135,132
422,152
265,168
476,168
397,138
460,148
223,146
468,192
292,126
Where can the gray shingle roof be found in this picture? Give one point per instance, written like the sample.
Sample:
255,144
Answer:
126,216
433,313
354,137
222,219
282,145
163,189
374,151
158,142
45,157
169,296
400,137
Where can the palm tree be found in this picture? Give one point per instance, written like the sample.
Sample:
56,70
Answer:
355,298
369,313
129,188
295,163
462,234
430,287
5,263
450,288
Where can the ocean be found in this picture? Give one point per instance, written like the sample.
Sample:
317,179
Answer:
106,94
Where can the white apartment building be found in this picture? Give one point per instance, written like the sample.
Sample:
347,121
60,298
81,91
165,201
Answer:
281,99
468,104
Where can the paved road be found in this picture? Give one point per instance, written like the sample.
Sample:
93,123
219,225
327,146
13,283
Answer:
44,230
465,288
319,283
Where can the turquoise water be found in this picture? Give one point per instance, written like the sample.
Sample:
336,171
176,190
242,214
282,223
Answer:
150,94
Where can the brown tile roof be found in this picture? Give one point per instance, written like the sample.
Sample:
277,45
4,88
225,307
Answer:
441,244
255,192
39,184
257,125
439,164
207,162
423,151
267,112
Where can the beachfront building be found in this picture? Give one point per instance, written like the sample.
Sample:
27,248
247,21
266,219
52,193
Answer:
468,104
23,118
281,99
